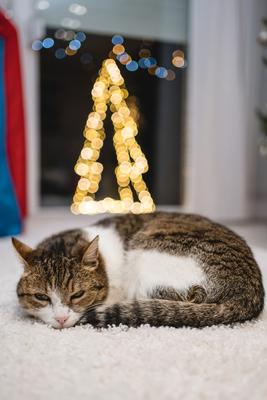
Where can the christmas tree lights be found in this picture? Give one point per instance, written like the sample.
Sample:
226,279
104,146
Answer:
109,90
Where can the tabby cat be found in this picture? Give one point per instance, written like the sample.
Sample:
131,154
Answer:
161,269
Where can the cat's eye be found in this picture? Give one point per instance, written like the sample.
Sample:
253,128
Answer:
41,297
77,295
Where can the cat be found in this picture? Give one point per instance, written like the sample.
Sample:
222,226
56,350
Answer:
161,269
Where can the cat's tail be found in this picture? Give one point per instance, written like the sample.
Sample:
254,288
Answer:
173,313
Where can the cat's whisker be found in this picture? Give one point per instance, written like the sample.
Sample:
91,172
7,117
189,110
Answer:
93,306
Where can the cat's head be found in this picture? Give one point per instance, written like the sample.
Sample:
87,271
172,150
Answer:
59,289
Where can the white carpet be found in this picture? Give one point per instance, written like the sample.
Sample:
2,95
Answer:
37,362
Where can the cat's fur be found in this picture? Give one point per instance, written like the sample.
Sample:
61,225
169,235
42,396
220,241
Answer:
162,269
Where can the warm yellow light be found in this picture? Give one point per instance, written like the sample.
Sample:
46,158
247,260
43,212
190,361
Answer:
109,90
81,169
84,184
178,53
93,187
87,153
97,143
178,61
136,208
116,98
118,49
127,132
96,168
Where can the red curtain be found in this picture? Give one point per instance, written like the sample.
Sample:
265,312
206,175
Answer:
15,123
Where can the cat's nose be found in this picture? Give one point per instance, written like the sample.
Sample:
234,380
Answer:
62,319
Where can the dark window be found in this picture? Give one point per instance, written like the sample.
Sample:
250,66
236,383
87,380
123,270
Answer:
66,86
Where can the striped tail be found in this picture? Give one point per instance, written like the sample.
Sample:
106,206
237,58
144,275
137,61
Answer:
172,313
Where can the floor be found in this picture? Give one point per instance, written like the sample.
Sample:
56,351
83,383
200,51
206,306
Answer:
38,362
51,220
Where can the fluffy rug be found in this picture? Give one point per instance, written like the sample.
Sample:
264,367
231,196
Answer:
38,362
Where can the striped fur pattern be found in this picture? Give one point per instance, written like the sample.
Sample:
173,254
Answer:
172,270
63,277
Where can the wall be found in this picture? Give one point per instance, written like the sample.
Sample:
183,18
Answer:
158,19
222,179
260,189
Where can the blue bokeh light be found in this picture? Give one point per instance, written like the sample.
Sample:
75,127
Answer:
123,58
75,44
81,36
142,63
132,66
161,72
150,62
60,54
48,43
37,45
117,39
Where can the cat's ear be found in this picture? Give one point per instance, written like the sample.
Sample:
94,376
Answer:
90,256
23,250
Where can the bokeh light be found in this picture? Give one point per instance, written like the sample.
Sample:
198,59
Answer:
70,23
60,34
132,66
60,54
42,5
178,53
118,49
142,63
117,39
150,62
109,90
144,53
70,52
124,58
48,43
77,9
152,70
161,72
171,75
81,36
146,60
69,35
37,45
75,44
178,61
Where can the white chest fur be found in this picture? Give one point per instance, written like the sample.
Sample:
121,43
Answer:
134,275
111,249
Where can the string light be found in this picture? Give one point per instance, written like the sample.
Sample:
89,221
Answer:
70,23
146,61
77,9
74,44
60,54
178,59
48,43
117,39
42,5
109,91
37,45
